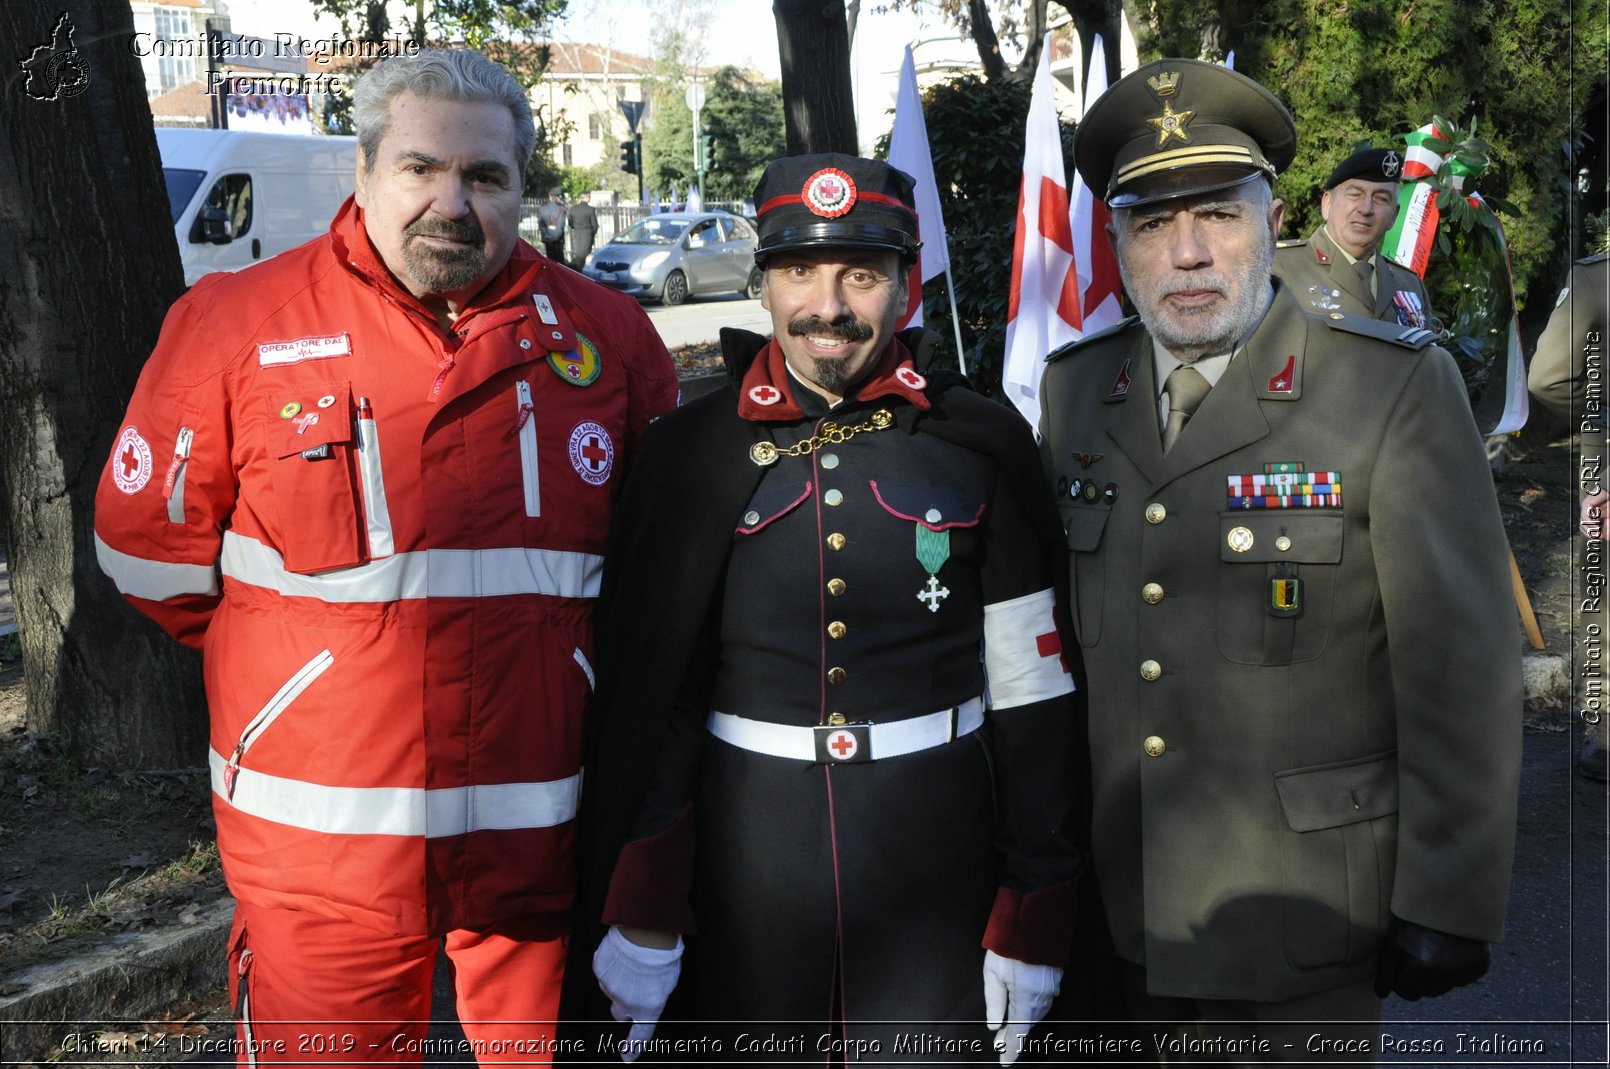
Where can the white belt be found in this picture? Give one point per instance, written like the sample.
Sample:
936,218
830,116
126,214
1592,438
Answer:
835,744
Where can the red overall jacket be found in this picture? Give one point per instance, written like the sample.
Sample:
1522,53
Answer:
386,539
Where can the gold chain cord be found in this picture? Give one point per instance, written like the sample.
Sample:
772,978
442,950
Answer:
764,453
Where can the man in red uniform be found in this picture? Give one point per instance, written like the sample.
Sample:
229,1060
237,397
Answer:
371,479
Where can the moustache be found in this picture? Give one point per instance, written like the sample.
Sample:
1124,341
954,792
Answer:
446,228
1193,285
847,328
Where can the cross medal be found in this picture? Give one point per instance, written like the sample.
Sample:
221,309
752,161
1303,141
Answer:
933,549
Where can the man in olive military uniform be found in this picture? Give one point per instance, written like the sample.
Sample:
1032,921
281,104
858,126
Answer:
1341,268
1558,381
1304,786
832,750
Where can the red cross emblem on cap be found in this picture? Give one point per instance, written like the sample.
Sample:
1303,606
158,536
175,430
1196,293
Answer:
765,395
829,193
842,745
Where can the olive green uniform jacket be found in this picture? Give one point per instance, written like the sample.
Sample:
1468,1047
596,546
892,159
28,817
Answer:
1269,787
1323,281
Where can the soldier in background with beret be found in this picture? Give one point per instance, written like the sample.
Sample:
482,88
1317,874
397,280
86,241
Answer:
1304,785
832,739
1341,267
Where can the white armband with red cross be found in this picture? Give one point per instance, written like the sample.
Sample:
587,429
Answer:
1023,660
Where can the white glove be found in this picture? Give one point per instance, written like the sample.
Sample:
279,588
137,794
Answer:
637,980
1016,996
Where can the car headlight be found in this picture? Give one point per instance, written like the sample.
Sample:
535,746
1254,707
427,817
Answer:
652,260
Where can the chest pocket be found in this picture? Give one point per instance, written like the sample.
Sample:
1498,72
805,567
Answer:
315,478
1084,525
771,503
1277,583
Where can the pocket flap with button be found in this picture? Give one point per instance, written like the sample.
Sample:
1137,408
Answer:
1265,536
772,501
315,479
313,423
1329,796
938,508
1084,526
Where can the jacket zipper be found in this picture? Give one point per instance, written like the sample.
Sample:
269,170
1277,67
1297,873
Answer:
244,1009
266,716
173,485
377,515
526,428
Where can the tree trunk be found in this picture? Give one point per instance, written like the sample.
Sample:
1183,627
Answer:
813,43
1091,17
88,267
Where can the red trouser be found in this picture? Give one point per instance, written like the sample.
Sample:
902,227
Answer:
316,991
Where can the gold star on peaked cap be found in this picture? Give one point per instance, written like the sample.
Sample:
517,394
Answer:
1171,124
1134,144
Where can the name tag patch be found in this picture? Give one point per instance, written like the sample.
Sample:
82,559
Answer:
274,353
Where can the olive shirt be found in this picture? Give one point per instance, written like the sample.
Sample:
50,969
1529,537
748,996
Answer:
1278,769
1322,277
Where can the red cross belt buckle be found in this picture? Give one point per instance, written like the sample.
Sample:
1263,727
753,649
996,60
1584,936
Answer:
843,744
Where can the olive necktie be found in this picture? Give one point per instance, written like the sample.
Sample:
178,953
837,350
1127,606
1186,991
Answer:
1364,269
1186,388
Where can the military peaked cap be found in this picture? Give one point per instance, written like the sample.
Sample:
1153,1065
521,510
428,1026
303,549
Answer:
1178,127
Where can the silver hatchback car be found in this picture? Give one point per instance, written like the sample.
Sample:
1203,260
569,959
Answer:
675,255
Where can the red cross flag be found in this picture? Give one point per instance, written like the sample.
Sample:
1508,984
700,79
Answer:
1043,312
1097,266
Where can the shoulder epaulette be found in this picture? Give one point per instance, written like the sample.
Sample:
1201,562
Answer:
1059,353
1593,259
1396,333
1291,243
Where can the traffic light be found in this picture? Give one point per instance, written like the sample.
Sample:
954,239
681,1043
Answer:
708,145
629,157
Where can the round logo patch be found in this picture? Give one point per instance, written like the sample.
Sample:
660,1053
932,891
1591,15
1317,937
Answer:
909,377
581,365
131,462
829,192
765,395
842,745
592,453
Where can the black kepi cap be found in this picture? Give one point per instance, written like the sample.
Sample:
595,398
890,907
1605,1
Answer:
1178,127
1370,164
830,200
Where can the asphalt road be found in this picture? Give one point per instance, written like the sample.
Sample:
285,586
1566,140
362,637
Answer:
1544,1000
701,318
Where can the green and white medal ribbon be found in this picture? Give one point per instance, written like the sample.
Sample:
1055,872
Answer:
933,550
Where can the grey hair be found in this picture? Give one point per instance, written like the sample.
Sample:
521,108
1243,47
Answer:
439,74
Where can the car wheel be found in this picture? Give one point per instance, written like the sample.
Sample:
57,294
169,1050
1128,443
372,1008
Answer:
676,288
752,290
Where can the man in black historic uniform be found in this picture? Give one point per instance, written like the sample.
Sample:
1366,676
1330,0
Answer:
1304,782
831,753
1340,267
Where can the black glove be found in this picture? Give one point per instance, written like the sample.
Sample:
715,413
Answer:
1419,962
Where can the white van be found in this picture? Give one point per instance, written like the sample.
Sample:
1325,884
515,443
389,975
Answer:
238,197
